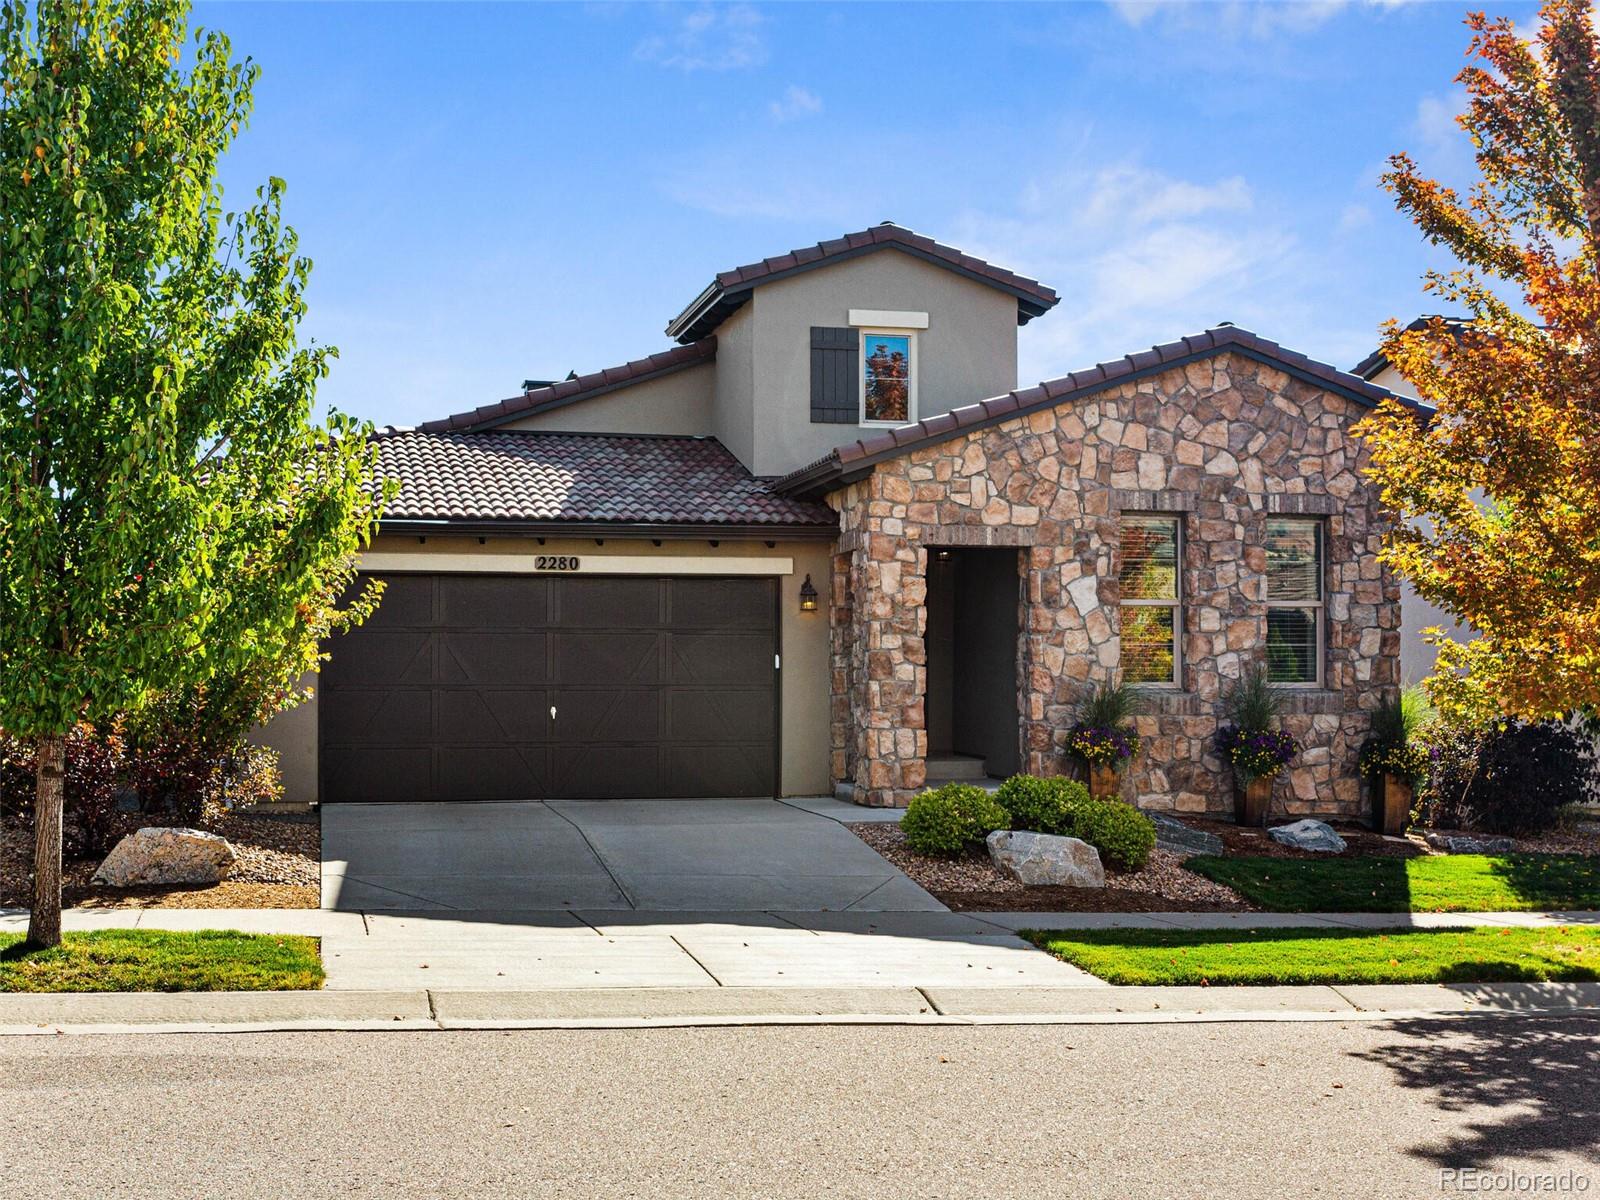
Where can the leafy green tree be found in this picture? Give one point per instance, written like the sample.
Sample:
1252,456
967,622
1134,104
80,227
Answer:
168,505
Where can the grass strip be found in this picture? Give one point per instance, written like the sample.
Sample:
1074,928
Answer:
1431,883
1216,957
155,960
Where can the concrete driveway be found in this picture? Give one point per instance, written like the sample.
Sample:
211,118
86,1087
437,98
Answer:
647,855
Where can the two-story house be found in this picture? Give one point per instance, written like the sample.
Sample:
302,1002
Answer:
825,546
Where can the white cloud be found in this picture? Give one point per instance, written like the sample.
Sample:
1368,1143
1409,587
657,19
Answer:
1132,194
708,38
795,103
1138,257
1353,217
1257,19
1435,123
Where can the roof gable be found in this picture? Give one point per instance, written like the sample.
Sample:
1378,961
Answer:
730,289
856,459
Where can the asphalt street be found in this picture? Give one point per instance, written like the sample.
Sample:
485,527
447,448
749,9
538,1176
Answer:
1285,1109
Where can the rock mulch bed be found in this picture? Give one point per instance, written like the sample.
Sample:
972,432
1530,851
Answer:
280,866
972,883
1360,842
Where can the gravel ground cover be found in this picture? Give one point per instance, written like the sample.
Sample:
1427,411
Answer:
972,883
280,866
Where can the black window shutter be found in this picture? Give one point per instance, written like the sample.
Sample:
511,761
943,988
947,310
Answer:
835,376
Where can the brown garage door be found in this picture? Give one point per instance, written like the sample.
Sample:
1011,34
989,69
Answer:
493,687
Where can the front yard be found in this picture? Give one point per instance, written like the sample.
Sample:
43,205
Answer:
280,865
1327,956
148,960
1425,883
970,882
1209,865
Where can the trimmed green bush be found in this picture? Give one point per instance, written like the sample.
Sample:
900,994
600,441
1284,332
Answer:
1121,833
949,819
1040,805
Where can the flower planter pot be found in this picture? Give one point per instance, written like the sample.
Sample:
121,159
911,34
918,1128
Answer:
1103,780
1393,805
1250,803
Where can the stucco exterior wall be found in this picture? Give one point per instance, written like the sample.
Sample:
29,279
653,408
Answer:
968,350
732,418
1223,443
1416,614
803,688
679,403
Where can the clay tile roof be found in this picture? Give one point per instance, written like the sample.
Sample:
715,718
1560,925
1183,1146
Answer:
570,391
541,478
855,458
1374,363
732,288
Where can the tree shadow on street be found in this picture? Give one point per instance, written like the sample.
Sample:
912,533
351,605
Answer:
1537,1076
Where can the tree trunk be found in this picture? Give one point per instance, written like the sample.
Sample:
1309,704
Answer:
44,924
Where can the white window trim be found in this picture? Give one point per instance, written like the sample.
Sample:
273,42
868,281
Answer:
885,319
1175,604
1319,619
911,381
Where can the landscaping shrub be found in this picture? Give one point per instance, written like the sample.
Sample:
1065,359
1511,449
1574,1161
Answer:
1394,747
94,763
187,761
1122,834
1040,805
1510,779
952,818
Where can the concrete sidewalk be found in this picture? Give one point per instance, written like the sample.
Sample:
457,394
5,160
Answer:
586,950
633,1008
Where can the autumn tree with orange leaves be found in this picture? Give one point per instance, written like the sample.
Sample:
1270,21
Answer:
1498,495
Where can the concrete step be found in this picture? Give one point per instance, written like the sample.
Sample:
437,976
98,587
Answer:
956,766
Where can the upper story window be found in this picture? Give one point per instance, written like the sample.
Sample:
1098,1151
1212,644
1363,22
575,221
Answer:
1151,608
888,378
1294,601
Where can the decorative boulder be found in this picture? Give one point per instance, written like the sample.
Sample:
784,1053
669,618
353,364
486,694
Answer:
1037,859
1172,834
158,855
1471,845
1308,835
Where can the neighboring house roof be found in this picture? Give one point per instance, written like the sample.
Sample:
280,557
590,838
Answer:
855,459
577,387
1373,364
571,482
732,288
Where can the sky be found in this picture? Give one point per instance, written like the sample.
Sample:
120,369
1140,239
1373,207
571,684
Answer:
493,192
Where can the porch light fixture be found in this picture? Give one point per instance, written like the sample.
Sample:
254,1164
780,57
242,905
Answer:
808,596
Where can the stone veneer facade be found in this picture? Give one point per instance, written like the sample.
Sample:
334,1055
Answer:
1224,442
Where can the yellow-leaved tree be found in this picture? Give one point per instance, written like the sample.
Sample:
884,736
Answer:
1498,495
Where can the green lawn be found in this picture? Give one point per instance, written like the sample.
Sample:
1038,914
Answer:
1267,956
1435,883
151,960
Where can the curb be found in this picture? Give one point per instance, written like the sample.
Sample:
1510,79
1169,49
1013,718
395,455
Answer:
58,1014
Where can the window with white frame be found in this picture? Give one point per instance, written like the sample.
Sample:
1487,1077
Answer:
1151,607
888,378
1294,601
